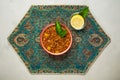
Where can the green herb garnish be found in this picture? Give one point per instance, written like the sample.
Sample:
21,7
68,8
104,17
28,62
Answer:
84,12
59,29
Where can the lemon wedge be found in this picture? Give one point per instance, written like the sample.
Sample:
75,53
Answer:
77,22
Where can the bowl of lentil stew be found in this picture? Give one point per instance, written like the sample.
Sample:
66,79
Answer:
52,43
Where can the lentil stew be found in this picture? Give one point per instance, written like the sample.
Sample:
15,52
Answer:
52,42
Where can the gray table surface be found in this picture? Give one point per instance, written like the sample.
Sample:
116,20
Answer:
107,65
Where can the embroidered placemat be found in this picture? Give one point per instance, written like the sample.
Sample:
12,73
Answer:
87,43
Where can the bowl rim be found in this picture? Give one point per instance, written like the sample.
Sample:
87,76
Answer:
41,43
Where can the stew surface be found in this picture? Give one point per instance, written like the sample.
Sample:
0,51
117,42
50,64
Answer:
53,42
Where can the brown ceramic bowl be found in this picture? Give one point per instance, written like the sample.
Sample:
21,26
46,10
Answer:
41,39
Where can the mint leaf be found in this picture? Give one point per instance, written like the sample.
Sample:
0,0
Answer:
63,33
84,12
59,29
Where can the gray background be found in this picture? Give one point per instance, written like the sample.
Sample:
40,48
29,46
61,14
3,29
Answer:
107,65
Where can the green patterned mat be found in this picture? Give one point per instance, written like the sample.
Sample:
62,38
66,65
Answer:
87,43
